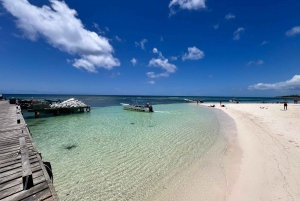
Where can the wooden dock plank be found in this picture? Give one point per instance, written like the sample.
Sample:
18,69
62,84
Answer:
11,183
16,170
24,194
12,162
4,169
18,174
42,195
18,180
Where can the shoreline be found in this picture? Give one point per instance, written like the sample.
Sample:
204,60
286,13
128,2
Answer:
269,140
208,178
262,162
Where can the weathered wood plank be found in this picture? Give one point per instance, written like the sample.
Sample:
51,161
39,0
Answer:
16,158
14,171
24,194
18,174
10,191
5,169
14,161
38,177
18,187
39,196
11,182
49,199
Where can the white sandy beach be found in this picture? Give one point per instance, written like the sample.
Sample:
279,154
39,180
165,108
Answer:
261,162
269,138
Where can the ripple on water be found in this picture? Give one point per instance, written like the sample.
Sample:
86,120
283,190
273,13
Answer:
113,154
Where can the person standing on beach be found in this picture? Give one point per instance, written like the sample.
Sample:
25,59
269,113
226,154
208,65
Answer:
285,105
220,103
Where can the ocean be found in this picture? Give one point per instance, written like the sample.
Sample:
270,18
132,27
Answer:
115,154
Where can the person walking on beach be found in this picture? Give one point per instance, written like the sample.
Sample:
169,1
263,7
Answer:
285,105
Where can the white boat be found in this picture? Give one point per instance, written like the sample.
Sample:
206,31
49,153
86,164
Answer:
141,108
189,101
233,101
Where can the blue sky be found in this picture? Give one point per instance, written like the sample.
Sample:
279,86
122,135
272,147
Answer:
158,47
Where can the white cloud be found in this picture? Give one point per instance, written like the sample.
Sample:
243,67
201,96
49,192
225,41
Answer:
133,61
98,28
292,84
107,29
161,38
258,62
174,58
264,42
59,26
229,16
151,82
193,54
162,63
216,26
294,31
153,75
186,4
155,51
118,39
237,33
141,44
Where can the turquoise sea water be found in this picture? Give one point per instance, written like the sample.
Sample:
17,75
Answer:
115,154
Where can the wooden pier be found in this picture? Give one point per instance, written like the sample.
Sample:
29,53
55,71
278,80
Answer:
58,111
23,175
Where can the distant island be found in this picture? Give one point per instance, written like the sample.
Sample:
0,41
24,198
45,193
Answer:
289,96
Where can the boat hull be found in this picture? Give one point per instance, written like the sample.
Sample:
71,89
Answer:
135,107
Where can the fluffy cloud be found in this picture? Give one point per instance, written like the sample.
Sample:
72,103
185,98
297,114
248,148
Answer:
59,26
292,84
193,54
186,4
155,51
151,82
162,63
294,31
133,61
258,62
229,16
237,33
141,44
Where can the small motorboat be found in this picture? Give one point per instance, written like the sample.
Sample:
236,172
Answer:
137,107
189,101
233,101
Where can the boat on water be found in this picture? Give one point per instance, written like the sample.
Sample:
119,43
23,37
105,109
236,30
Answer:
137,107
189,101
233,101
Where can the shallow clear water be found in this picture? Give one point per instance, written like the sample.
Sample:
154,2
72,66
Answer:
115,154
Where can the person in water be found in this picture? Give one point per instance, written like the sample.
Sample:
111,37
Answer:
285,105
